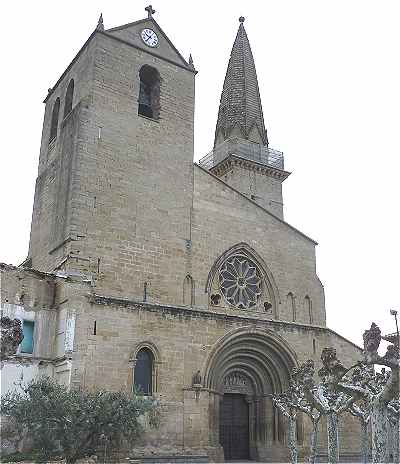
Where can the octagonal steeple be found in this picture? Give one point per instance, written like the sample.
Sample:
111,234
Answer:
240,110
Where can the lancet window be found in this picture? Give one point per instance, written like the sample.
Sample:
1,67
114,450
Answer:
144,371
54,120
69,98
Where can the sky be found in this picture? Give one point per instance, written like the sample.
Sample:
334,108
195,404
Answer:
329,78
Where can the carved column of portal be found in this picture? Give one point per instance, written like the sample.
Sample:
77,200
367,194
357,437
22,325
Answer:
269,420
214,408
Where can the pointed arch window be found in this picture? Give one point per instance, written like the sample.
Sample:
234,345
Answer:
143,372
69,98
291,303
149,92
54,120
309,309
188,291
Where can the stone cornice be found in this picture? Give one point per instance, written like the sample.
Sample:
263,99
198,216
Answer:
237,161
208,314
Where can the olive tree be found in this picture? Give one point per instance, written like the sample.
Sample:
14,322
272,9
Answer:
74,423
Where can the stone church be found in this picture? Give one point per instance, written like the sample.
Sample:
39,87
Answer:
146,270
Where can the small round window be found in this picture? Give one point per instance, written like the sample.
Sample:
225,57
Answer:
240,282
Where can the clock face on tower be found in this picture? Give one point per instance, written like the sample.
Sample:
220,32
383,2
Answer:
149,37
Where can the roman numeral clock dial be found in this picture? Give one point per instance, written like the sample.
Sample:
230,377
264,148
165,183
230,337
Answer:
149,37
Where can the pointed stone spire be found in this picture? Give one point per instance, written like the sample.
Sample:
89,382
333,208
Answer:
100,24
240,111
191,64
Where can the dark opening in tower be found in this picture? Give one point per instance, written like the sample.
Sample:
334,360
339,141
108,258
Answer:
149,92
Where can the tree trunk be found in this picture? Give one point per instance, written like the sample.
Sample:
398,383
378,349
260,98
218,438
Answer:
333,438
314,440
365,447
379,422
292,439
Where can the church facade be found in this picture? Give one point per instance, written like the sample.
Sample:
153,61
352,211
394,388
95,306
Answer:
148,271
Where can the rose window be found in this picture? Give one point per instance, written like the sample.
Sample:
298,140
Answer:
240,282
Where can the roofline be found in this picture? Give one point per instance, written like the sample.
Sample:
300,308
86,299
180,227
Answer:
205,312
105,33
256,204
150,52
70,65
30,270
333,332
134,23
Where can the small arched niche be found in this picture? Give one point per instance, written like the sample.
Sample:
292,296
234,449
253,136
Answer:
188,291
291,306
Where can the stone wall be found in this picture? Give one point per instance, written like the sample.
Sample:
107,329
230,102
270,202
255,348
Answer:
183,339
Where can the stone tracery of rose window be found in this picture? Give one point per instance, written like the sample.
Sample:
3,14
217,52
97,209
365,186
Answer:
240,282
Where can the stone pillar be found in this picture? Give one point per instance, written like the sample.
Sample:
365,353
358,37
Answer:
269,421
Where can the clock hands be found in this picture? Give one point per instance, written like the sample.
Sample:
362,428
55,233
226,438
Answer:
149,37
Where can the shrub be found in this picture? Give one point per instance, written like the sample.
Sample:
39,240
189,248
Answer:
75,422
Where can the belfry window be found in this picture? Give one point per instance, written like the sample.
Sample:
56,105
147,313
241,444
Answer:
149,92
143,373
69,98
54,120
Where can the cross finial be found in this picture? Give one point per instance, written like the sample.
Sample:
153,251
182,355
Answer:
241,19
150,11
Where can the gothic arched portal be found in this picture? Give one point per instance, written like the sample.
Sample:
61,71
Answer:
245,367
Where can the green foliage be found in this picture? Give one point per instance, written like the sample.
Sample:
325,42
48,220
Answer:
75,422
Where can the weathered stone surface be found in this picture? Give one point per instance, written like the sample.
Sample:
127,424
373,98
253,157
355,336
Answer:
128,238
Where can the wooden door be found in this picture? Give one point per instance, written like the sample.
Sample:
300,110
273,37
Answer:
234,426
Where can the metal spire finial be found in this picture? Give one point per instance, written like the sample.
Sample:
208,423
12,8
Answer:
100,24
241,19
150,11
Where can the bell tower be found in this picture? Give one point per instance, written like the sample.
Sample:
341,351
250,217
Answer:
241,155
114,189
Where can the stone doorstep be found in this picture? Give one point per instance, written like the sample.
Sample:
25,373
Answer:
166,459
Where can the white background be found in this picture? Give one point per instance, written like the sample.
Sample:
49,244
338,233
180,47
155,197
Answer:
329,77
